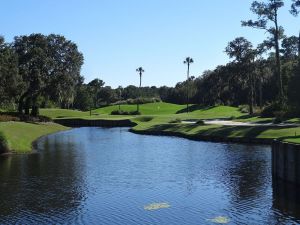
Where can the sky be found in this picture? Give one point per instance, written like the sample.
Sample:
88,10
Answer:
118,36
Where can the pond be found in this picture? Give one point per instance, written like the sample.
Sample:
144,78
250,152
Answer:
112,176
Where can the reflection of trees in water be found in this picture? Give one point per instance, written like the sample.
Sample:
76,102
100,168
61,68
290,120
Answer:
247,175
286,199
49,183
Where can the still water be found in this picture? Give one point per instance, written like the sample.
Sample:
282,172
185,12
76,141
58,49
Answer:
111,176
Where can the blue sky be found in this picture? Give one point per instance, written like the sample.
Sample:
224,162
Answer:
117,36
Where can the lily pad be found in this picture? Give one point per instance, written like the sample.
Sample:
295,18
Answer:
156,206
220,220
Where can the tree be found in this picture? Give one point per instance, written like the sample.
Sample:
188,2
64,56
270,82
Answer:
96,86
11,82
268,12
140,70
49,66
188,61
242,50
294,8
290,47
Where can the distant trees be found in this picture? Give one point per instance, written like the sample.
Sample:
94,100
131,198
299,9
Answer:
95,87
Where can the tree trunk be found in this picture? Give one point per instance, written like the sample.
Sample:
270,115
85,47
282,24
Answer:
299,51
34,109
251,97
27,105
260,94
187,89
278,64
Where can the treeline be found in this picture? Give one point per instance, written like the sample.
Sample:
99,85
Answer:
45,71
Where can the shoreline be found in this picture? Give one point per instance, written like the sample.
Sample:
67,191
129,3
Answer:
133,125
216,139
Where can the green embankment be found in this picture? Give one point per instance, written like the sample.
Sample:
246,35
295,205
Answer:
20,136
155,118
193,130
164,117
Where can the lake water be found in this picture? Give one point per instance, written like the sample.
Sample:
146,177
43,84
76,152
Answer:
111,176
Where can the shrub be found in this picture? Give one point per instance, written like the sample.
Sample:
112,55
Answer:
200,122
279,117
269,111
131,101
244,108
145,118
177,120
121,112
3,143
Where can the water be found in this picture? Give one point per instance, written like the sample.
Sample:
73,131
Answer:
108,176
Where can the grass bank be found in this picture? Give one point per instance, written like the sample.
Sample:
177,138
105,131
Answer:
165,119
157,118
19,136
257,134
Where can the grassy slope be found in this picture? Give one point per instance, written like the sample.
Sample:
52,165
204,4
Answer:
159,108
157,116
285,134
20,135
61,113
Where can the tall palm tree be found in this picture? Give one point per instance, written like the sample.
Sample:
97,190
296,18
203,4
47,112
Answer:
188,61
140,70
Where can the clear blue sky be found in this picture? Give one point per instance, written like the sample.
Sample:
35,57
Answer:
117,36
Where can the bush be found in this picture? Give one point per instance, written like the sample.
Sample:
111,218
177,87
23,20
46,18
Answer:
131,101
121,112
177,120
279,117
270,110
200,122
145,118
3,143
244,108
14,116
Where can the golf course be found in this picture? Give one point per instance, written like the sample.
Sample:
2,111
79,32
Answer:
158,119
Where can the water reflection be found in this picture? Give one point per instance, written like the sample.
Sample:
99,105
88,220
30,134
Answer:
42,186
108,176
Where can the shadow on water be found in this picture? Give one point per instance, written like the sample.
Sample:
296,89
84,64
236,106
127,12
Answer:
286,198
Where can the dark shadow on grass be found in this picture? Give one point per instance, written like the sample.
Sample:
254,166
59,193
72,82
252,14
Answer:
193,108
237,131
265,120
289,138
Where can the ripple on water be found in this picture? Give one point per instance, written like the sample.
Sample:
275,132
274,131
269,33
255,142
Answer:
108,176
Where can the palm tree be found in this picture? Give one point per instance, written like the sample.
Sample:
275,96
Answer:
140,70
188,61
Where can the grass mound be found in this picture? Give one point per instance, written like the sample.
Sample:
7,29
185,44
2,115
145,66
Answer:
20,135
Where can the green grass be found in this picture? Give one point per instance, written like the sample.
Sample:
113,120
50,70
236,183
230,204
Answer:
284,134
20,135
155,117
159,108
